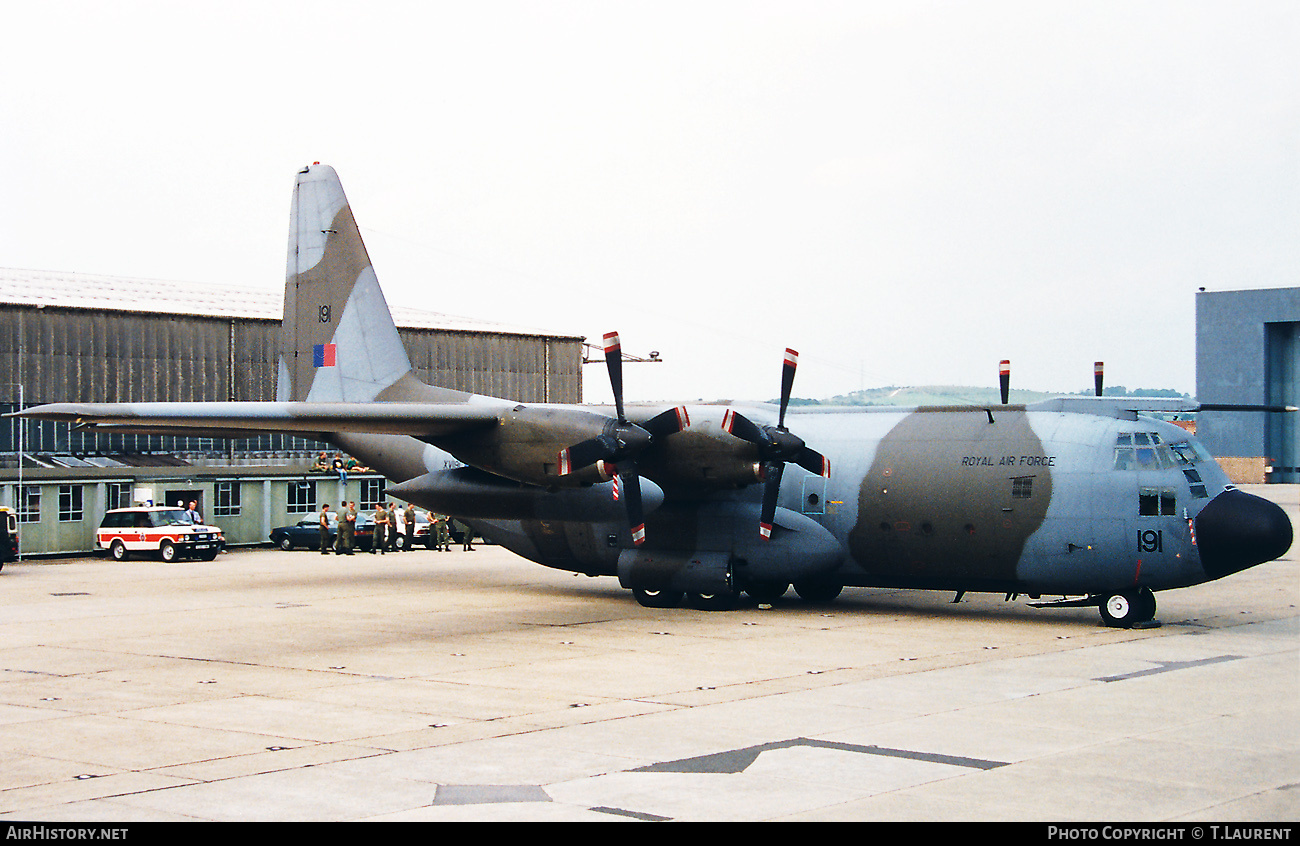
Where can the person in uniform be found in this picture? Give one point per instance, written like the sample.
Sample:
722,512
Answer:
439,523
347,529
381,531
325,529
392,527
408,518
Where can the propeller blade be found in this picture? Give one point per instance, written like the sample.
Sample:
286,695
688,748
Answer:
669,422
630,485
787,383
813,462
574,458
614,364
742,427
1098,368
1004,379
771,490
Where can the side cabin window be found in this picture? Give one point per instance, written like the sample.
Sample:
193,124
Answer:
1157,502
1022,487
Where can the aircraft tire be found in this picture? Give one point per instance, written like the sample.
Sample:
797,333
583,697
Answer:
657,598
818,591
118,551
711,601
1127,608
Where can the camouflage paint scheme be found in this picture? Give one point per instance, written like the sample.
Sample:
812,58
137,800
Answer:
1007,498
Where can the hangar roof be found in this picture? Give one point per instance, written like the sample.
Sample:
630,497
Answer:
43,288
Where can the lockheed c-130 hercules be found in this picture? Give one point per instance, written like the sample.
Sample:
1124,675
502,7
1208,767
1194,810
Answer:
1079,497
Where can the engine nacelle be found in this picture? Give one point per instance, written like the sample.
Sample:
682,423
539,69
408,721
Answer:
525,444
464,492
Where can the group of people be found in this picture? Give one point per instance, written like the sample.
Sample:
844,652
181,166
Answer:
340,465
388,523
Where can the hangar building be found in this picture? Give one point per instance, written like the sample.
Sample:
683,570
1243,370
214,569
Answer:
82,338
1248,351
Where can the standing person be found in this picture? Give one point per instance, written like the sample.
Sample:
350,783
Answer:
392,527
192,513
325,529
347,528
440,521
408,517
468,538
381,530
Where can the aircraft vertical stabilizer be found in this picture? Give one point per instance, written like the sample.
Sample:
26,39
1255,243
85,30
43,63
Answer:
338,342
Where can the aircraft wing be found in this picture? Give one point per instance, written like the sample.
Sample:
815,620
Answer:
240,419
1116,406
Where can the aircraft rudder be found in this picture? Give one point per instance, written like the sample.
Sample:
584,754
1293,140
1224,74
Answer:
338,342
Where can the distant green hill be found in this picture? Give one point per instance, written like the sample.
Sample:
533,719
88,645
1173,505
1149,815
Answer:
957,395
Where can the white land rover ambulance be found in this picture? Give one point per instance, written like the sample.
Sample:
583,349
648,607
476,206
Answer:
166,531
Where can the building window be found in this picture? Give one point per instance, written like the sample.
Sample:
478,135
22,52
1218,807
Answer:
227,499
70,510
119,495
372,493
29,504
302,497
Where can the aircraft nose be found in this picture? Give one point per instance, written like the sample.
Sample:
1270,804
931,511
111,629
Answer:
1236,530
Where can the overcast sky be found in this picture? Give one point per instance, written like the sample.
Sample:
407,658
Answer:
905,192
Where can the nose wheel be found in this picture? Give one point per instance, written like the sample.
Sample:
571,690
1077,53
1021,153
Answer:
1127,608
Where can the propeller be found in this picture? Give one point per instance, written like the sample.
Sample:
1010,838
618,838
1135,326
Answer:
1004,379
776,446
1097,369
617,447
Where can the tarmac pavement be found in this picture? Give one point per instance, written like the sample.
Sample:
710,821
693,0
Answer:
271,685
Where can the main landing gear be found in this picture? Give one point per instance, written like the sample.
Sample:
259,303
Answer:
674,598
761,593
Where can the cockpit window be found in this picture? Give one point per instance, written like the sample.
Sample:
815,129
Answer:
1195,483
1148,451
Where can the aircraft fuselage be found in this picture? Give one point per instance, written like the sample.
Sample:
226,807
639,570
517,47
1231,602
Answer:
1003,499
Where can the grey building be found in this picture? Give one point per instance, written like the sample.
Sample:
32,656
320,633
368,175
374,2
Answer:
1248,351
84,338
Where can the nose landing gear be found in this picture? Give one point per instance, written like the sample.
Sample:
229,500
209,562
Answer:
1127,609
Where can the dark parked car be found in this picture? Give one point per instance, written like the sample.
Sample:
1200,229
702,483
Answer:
305,534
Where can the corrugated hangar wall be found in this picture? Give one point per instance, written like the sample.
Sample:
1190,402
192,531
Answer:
82,338
90,355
